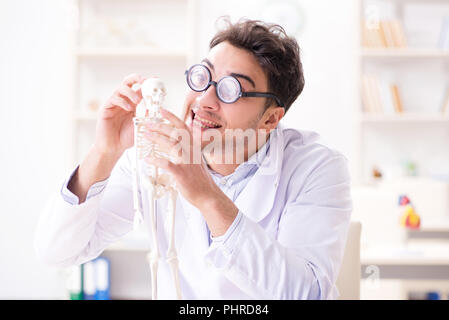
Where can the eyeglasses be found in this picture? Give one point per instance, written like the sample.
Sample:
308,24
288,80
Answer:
228,88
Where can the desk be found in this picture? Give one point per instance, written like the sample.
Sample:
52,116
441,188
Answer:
424,260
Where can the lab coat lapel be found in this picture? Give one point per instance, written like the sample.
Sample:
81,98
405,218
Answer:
257,199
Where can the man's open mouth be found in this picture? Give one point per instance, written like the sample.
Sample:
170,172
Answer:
202,122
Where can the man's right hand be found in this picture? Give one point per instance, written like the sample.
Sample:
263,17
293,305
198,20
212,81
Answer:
115,129
114,134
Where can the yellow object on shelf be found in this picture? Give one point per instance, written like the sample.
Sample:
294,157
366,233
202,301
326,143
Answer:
409,217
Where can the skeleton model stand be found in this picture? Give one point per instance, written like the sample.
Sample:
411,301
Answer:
154,182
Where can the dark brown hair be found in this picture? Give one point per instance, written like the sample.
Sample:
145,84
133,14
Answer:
276,53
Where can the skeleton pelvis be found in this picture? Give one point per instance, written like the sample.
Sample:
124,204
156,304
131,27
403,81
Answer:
162,184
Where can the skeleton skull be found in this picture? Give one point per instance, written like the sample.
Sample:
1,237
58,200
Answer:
153,92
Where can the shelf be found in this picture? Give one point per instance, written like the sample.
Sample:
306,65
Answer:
404,53
405,118
123,247
129,52
400,255
433,226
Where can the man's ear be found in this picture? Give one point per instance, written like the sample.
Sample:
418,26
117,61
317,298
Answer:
272,117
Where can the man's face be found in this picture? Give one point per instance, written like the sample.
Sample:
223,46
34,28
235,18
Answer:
207,112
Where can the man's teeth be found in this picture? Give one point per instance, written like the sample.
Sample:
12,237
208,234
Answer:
205,123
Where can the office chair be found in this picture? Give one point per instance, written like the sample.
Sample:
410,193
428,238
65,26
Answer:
348,281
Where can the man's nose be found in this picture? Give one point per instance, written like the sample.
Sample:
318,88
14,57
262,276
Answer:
208,99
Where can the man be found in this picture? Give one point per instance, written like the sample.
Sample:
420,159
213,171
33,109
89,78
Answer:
272,226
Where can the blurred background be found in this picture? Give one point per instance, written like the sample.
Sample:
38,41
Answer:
377,90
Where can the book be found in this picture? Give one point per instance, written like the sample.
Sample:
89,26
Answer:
387,32
375,87
371,94
366,95
380,96
445,103
398,34
397,103
365,36
372,36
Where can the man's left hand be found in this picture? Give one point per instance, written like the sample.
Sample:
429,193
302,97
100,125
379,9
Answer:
190,172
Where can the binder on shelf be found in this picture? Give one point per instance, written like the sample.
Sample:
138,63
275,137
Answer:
75,283
89,285
102,277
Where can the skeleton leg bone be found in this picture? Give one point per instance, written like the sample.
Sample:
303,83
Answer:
138,217
153,256
172,257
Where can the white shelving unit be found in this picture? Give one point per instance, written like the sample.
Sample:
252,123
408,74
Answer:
417,117
420,132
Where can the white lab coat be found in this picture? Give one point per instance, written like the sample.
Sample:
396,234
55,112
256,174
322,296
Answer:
288,242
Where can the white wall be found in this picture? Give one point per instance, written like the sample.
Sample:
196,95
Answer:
35,83
33,106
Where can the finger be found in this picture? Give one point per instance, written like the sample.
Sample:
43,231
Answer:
164,142
161,163
139,93
185,112
181,136
168,146
174,120
116,101
128,93
132,79
168,130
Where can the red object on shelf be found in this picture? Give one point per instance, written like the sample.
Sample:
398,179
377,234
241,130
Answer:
404,200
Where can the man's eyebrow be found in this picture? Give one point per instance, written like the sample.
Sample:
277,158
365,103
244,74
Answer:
208,63
238,75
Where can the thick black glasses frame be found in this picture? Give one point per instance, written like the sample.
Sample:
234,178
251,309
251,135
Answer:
241,94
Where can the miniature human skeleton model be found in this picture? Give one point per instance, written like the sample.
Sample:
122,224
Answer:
155,183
